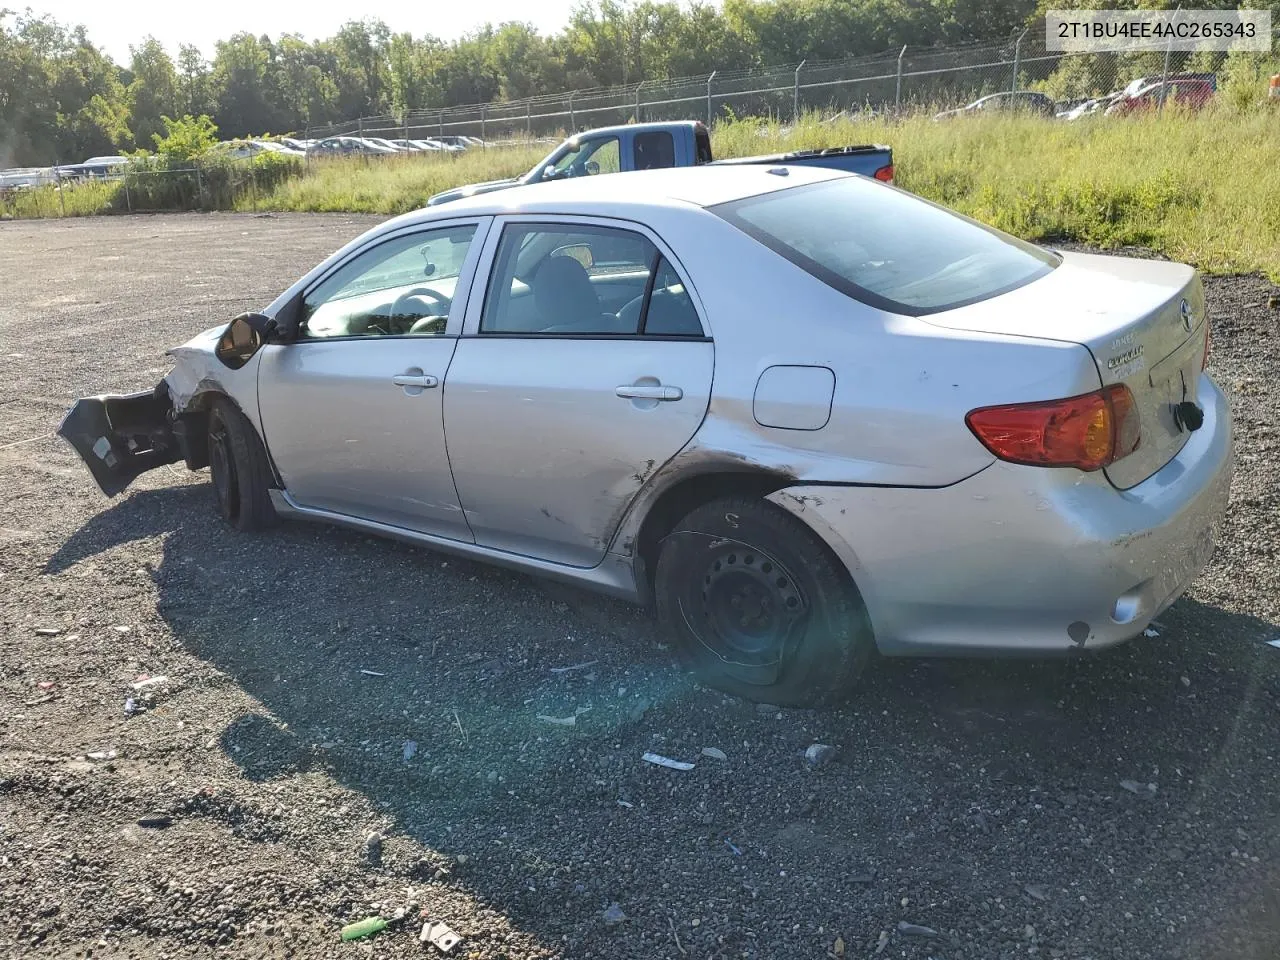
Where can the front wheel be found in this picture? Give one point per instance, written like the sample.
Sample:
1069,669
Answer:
759,605
239,469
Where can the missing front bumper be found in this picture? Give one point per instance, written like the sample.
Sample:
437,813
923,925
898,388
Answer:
121,437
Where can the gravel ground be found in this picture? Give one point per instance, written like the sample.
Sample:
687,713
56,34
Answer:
982,800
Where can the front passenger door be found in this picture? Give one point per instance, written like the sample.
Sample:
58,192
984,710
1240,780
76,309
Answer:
352,409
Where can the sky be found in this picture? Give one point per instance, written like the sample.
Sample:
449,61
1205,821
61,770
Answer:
204,23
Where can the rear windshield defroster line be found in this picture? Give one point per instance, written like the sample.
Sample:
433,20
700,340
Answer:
887,248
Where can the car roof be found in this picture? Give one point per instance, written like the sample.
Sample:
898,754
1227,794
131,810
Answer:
634,128
622,194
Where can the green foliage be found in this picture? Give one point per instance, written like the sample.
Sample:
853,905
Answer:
185,138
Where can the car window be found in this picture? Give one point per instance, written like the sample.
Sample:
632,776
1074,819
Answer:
654,151
600,155
886,247
568,279
401,287
670,311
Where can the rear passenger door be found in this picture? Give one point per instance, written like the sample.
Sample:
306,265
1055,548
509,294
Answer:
583,366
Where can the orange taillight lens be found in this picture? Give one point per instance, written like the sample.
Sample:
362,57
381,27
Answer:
885,173
1089,431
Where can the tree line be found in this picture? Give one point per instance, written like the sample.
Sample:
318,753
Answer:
62,98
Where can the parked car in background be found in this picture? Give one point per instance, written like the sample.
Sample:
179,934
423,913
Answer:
348,146
1132,88
1028,101
93,167
294,144
245,149
1190,94
450,140
388,144
808,414
654,146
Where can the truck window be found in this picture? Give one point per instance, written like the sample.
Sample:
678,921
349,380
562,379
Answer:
654,151
702,143
587,158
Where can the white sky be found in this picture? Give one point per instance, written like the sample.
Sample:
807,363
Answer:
114,26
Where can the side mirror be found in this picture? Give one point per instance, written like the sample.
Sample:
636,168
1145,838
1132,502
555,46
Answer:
243,337
592,168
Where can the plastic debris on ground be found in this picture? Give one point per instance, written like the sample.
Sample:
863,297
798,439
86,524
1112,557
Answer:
574,666
568,721
1150,632
143,682
737,851
155,821
819,753
661,761
439,935
1274,643
363,928
1133,786
915,930
714,753
410,748
372,673
47,631
101,755
613,915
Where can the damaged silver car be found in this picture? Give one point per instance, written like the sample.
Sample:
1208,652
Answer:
806,414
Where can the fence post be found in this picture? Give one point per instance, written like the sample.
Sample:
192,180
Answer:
200,188
795,94
1017,55
528,119
62,201
406,127
897,90
1164,75
573,123
128,201
441,119
483,134
709,79
638,86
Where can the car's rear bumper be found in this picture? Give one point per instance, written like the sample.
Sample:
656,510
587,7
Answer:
1020,559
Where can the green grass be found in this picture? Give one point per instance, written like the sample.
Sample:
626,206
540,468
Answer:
389,185
1202,188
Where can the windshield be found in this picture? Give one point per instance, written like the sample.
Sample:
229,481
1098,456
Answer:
887,248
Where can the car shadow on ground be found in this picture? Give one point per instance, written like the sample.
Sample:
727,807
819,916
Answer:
957,784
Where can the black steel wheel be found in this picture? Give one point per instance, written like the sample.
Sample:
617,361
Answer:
759,605
239,469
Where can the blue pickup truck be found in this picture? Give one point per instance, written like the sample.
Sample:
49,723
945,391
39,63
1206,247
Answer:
651,146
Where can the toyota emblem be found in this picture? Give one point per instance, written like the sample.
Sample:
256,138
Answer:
1188,319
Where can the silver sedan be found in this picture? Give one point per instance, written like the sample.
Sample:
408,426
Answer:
807,415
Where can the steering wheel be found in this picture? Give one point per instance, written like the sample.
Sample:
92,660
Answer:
440,303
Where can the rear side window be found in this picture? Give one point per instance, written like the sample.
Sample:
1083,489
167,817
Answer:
887,248
654,151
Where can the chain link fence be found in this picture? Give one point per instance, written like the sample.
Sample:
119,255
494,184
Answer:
904,80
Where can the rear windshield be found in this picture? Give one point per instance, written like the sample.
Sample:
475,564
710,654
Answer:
887,248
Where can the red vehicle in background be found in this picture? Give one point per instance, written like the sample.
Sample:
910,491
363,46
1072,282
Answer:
1192,94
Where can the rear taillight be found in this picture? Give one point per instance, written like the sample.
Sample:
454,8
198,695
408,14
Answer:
1208,342
1089,431
885,173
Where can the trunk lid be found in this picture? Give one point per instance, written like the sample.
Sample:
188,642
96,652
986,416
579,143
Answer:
1143,322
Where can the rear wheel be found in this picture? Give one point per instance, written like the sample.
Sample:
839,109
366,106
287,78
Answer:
239,469
759,605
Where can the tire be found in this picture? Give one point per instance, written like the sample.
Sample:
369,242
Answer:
239,469
759,606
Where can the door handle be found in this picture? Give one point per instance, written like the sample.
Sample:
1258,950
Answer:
646,391
410,380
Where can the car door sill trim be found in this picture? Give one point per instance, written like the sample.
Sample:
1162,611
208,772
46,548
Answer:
612,576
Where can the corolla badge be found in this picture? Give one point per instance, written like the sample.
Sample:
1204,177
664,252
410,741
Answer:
1188,318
